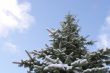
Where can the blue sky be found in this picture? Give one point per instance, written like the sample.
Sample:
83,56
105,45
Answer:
23,25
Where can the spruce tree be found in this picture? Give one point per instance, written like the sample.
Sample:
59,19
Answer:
67,53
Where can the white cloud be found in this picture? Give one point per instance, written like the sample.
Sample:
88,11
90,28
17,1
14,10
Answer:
108,20
103,41
14,16
10,48
104,36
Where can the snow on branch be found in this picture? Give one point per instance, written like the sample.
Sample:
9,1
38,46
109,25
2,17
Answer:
39,67
53,61
79,62
64,67
102,70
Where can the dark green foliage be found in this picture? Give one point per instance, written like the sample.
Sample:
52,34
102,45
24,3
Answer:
67,53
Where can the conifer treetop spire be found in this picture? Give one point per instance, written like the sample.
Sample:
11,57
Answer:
67,53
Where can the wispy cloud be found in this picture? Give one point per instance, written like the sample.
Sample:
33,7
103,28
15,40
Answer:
10,48
104,36
14,16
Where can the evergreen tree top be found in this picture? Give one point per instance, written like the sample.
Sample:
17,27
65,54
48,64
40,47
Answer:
67,53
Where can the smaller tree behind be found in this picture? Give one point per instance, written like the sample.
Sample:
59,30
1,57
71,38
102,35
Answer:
67,53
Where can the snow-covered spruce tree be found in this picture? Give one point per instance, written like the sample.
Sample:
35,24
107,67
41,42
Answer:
67,53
